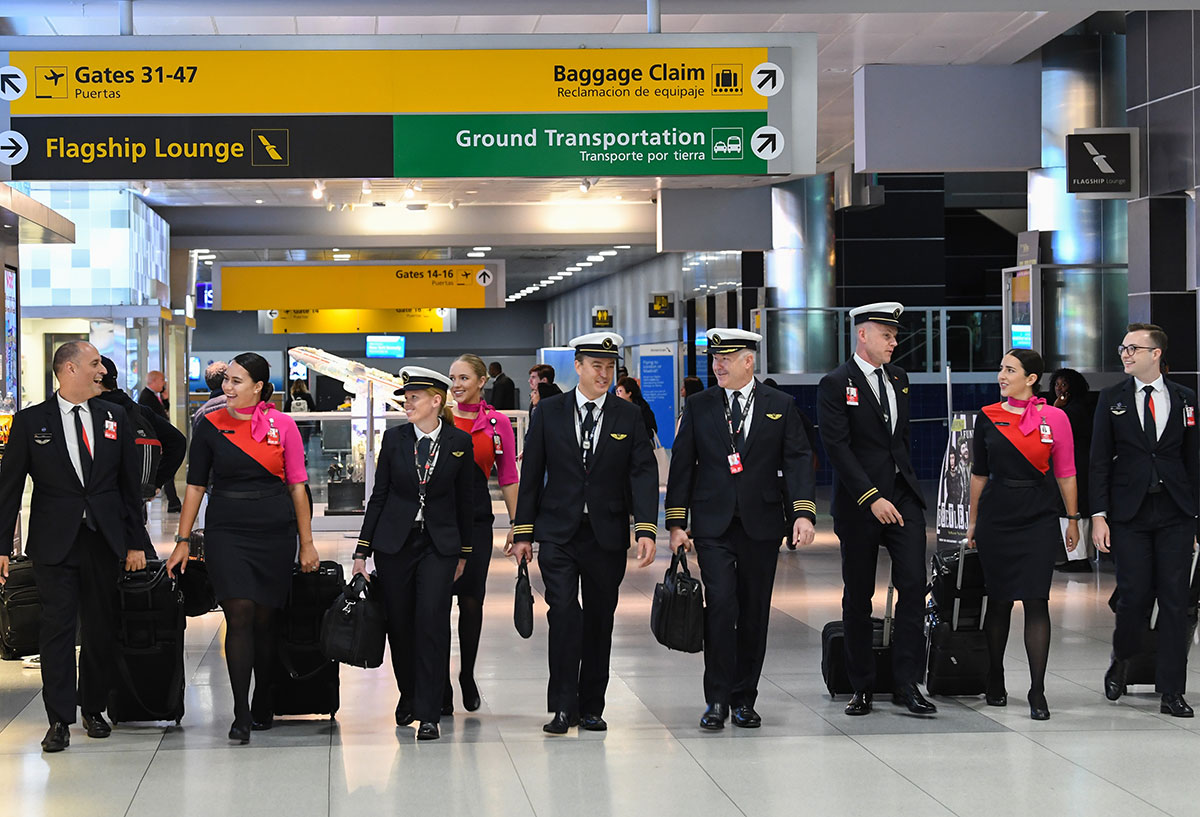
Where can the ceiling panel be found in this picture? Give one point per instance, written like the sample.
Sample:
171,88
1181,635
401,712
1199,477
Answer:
255,25
335,25
820,24
734,23
497,24
577,23
417,25
166,26
671,23
81,26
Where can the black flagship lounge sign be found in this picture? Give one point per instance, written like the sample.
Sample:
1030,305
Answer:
1103,163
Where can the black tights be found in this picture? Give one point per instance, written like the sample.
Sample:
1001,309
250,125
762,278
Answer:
1037,641
249,647
470,625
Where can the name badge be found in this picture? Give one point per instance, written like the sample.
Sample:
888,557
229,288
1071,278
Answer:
272,434
851,396
735,463
1044,430
499,445
110,429
1189,416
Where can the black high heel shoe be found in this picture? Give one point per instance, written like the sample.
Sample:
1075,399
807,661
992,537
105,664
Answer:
239,732
996,694
470,692
1039,710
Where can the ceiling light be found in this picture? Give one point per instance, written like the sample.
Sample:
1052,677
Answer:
535,288
207,257
482,249
545,282
453,204
585,185
336,249
595,259
475,255
366,187
258,201
195,251
416,185
420,206
620,246
574,269
556,277
318,191
345,207
472,192
329,207
208,263
583,263
341,256
408,193
145,189
566,273
607,253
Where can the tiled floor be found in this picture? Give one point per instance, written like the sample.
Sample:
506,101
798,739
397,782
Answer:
1093,757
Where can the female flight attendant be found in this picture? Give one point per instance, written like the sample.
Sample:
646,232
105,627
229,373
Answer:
252,455
495,447
1014,516
418,528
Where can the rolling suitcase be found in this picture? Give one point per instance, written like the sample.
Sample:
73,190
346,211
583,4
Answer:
957,587
957,647
306,682
148,682
833,653
1141,668
20,611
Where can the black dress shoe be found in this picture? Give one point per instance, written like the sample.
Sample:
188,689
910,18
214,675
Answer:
592,723
714,717
910,698
58,737
560,723
470,692
1174,704
860,703
404,715
428,731
240,732
263,725
96,726
1075,566
1114,680
448,709
745,717
1039,710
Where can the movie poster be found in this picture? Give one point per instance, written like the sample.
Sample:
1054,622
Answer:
12,383
954,488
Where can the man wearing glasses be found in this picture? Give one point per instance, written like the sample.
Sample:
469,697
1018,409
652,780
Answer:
1145,459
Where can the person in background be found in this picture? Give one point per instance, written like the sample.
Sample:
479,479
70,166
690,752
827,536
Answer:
495,447
214,378
153,397
299,392
1070,390
1014,517
251,455
540,373
628,389
504,391
690,386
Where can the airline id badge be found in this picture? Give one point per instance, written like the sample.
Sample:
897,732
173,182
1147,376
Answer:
1189,416
499,445
272,435
851,396
735,463
110,429
1044,430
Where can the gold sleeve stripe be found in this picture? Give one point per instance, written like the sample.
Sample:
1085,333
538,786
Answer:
646,529
869,493
365,542
467,549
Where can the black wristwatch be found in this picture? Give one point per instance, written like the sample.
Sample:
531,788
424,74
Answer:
179,539
1075,517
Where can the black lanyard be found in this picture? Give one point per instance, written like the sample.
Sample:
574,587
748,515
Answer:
734,432
424,471
590,443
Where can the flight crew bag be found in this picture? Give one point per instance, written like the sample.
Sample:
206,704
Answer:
833,653
148,682
958,659
199,595
957,587
20,611
1141,668
523,602
677,610
354,628
305,681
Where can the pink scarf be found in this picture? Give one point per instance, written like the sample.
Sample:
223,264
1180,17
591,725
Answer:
1029,418
260,421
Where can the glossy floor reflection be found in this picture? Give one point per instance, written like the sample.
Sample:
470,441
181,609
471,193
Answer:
1093,757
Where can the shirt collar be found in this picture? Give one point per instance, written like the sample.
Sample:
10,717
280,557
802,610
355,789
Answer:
433,435
65,405
581,398
1158,383
865,365
744,391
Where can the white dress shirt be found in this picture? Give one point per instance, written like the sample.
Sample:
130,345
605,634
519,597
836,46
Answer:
433,436
1162,404
869,372
72,439
744,391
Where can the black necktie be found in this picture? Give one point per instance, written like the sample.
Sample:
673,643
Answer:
423,446
85,454
735,414
1151,429
586,427
884,403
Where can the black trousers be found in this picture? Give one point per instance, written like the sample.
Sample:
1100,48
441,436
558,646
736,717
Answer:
739,575
78,592
861,535
580,637
1153,557
416,584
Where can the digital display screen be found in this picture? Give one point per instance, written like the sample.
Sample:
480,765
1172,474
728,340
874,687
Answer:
385,346
1022,336
204,295
298,371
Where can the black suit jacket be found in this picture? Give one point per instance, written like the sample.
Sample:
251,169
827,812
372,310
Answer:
623,479
395,499
150,400
1121,454
864,455
777,481
504,392
112,497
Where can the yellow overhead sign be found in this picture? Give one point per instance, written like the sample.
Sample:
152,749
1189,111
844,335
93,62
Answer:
197,83
348,321
358,286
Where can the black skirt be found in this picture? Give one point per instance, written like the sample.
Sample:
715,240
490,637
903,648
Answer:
250,547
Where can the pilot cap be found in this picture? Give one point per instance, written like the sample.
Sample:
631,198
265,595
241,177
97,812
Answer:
418,377
885,312
598,344
728,341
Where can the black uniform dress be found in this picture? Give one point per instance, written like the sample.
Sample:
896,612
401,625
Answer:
1017,530
250,530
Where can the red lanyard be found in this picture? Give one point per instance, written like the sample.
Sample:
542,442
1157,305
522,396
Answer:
424,471
742,422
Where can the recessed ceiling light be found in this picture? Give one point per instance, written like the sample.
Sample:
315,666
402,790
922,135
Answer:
418,186
409,193
475,255
583,263
258,201
482,249
208,263
607,253
618,198
556,277
366,187
318,191
472,192
336,249
620,246
595,259
341,256
195,251
566,272
574,269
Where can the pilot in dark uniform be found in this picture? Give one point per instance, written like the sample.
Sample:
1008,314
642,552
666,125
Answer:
85,521
1144,484
588,465
742,465
863,418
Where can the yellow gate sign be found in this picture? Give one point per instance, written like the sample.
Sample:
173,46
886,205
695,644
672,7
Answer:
351,321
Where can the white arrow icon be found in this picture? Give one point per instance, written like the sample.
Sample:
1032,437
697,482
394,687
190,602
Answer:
12,83
767,78
767,142
484,277
13,147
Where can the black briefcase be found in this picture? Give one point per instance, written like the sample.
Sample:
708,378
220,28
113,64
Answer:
957,587
677,611
523,602
199,596
833,653
354,629
20,611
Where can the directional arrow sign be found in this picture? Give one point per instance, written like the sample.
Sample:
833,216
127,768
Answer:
12,83
484,277
13,147
767,78
767,142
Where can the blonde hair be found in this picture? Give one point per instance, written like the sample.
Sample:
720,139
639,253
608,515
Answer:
476,363
446,414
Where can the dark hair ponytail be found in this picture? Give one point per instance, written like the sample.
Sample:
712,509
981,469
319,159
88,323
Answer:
259,370
1030,361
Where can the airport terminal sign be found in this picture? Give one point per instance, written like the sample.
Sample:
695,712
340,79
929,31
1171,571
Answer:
355,321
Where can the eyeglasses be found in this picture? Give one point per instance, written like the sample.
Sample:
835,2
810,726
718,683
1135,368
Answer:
1133,350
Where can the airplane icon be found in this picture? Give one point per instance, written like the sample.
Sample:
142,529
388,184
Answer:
49,84
55,76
